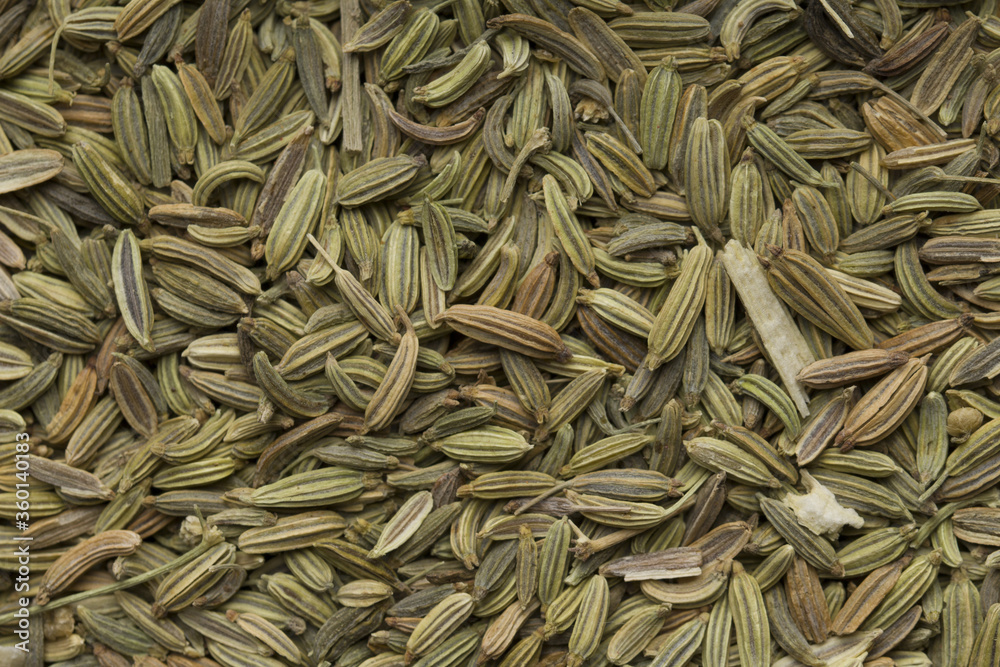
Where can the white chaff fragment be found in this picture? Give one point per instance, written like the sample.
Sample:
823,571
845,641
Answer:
819,511
785,345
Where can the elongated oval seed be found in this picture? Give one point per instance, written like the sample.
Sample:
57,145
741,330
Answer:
507,329
131,290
